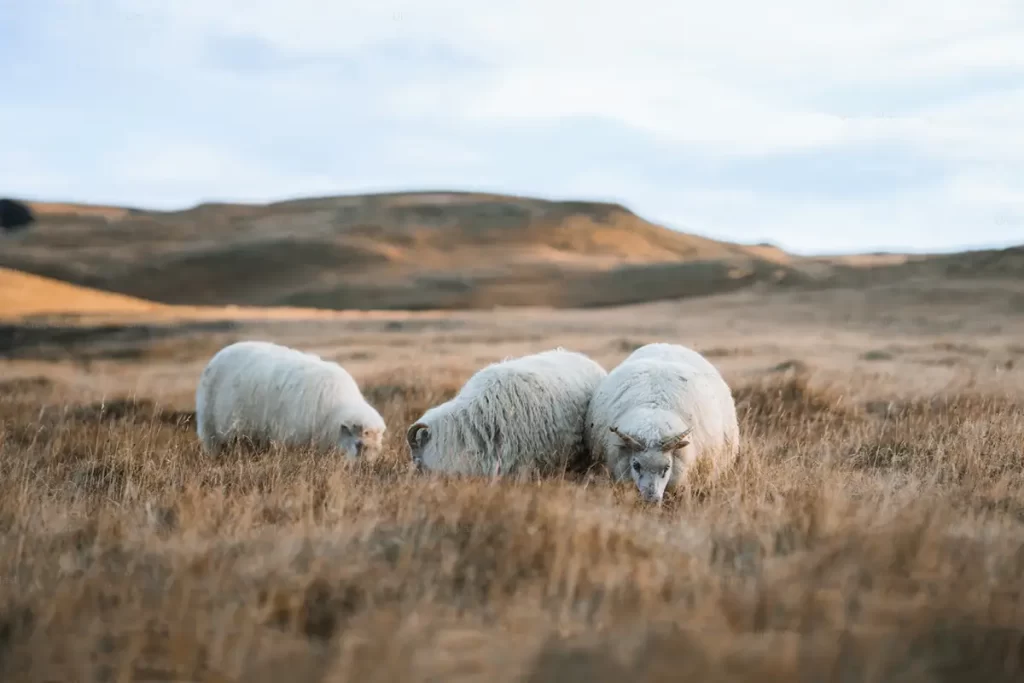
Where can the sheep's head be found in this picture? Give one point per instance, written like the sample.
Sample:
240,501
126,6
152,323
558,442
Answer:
418,436
650,464
430,438
359,441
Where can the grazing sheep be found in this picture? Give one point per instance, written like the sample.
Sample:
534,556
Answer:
516,415
266,393
660,411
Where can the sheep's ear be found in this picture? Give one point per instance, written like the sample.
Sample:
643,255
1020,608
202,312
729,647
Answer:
675,441
418,435
349,430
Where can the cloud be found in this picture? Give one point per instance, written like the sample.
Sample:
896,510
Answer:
185,173
728,76
818,125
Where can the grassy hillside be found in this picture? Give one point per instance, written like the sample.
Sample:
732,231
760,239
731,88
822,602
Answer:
429,250
26,294
414,250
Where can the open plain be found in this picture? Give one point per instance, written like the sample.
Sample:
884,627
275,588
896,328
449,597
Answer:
873,529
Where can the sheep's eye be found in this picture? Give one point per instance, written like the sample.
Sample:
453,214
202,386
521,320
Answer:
636,466
664,471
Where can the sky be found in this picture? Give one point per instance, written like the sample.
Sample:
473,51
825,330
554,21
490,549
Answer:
822,126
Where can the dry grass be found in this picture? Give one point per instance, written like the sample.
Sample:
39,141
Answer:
872,530
861,538
27,294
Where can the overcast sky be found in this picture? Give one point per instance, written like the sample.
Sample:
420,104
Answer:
819,125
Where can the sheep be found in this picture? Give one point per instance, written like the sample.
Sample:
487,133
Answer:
265,393
511,417
657,414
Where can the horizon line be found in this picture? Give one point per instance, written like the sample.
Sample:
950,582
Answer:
392,192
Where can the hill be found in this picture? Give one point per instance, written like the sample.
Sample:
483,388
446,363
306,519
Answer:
26,294
413,251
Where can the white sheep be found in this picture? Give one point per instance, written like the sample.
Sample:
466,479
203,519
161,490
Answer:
267,393
514,416
660,411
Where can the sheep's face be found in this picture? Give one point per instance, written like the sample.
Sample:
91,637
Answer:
651,464
651,471
359,442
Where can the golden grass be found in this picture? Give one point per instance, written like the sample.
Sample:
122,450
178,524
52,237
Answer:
860,538
48,209
24,294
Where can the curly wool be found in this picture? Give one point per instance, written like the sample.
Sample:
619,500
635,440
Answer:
526,412
270,393
657,391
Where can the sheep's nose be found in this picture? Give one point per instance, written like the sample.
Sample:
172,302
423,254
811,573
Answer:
359,447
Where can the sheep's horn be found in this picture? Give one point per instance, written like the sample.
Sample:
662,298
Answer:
413,435
676,440
627,439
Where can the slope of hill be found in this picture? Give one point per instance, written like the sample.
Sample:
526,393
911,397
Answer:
410,250
26,294
417,250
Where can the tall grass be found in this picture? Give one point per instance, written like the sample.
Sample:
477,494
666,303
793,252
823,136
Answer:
857,539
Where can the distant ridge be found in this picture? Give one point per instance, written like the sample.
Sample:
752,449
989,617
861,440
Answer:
418,250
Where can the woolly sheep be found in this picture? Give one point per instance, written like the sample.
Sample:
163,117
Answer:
266,393
660,411
512,416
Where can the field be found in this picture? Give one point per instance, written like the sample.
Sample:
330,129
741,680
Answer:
872,531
